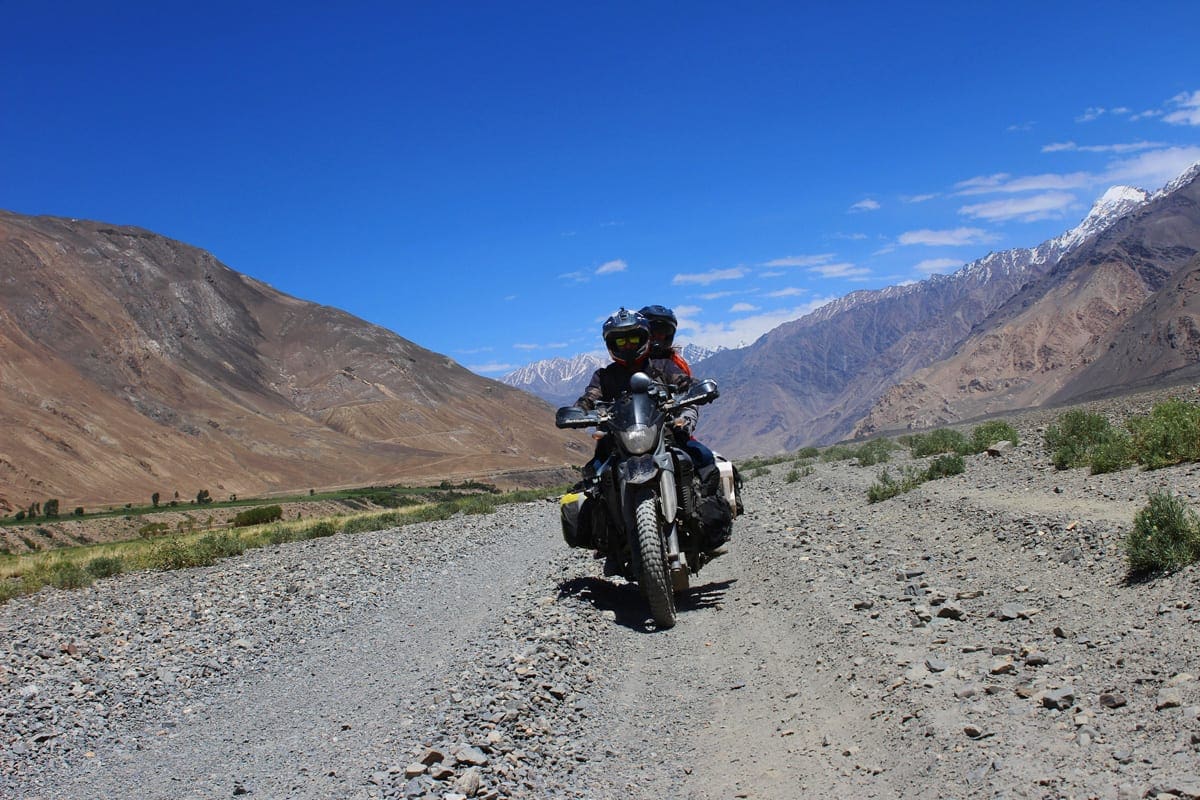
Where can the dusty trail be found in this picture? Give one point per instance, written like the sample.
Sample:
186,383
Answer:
973,638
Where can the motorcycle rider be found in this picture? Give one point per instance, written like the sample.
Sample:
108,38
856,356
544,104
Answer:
627,335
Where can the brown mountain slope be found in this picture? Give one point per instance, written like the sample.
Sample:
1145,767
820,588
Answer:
131,363
1115,313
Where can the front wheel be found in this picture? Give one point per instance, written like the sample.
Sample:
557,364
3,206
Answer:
655,579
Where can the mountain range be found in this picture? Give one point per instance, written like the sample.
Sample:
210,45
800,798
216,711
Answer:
1110,303
560,381
132,364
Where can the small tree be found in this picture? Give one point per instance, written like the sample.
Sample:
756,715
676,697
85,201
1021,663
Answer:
79,511
20,515
203,496
50,507
154,499
35,510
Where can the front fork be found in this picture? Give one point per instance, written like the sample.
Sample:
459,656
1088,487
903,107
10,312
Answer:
642,471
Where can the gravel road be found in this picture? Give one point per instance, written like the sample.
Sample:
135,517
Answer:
976,637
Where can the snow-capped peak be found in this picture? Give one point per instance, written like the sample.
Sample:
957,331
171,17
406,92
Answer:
1112,205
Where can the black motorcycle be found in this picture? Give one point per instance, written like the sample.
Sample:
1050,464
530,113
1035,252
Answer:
641,505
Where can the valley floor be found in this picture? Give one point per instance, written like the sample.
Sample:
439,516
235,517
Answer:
975,637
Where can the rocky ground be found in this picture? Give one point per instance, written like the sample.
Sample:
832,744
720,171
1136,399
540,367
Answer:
976,637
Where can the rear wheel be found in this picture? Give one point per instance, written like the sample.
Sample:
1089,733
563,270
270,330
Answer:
655,579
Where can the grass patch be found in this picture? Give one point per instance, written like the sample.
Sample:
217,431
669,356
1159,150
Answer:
1165,536
75,567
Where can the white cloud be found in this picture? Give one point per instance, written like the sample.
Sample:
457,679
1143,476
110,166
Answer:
493,367
950,238
791,291
1120,111
1003,183
854,237
865,205
742,308
474,351
1130,147
772,274
1153,169
939,265
743,330
715,295
841,270
800,261
1090,115
1021,127
1150,112
687,311
1188,111
578,277
705,278
548,346
609,267
919,198
1047,205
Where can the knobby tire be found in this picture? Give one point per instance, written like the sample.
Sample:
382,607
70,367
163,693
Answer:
655,579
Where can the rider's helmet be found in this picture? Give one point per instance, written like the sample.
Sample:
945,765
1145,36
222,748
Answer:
662,329
627,336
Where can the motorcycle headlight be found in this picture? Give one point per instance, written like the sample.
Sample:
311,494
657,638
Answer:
639,439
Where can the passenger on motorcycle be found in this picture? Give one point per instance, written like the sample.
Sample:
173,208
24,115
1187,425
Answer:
663,324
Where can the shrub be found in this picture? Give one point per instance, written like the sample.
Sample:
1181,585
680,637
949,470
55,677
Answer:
807,452
320,530
887,486
203,496
78,511
20,515
758,472
1111,454
942,440
67,575
1073,435
154,499
1165,536
796,474
105,567
884,488
944,466
985,435
876,451
1170,434
838,452
50,508
258,516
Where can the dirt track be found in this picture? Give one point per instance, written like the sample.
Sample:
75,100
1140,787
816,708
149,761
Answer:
973,638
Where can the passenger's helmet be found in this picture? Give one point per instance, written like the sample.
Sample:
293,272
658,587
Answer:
662,329
627,336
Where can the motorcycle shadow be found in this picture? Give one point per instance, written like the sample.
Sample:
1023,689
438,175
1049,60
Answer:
628,605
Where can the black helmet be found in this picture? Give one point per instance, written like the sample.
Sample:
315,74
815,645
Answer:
627,336
662,329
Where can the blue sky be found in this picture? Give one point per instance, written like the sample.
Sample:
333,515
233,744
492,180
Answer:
490,180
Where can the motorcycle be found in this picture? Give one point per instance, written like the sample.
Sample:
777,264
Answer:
645,511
